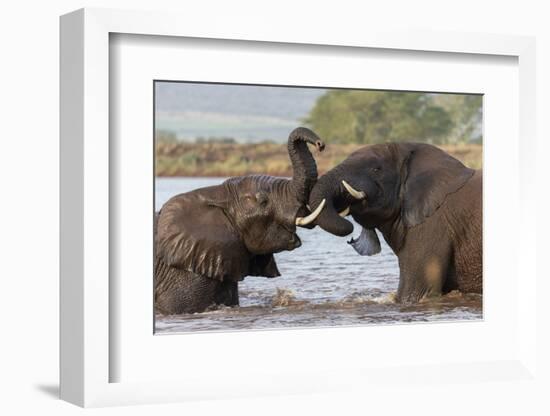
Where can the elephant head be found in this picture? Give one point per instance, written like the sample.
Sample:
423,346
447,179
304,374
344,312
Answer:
229,231
392,187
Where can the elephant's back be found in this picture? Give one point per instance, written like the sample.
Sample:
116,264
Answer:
467,201
475,184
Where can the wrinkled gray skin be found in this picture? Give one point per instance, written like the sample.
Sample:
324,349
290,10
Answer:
426,204
209,239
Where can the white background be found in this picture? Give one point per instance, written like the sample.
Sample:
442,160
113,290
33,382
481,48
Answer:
136,61
29,209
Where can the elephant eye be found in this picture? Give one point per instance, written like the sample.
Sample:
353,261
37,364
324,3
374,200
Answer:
376,169
262,199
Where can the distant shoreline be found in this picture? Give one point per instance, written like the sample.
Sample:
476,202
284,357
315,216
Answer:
235,159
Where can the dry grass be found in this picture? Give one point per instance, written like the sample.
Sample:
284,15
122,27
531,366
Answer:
231,159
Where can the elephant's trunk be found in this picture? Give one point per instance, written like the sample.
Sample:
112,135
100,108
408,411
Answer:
303,165
329,187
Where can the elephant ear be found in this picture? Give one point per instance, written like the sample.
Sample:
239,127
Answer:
195,234
263,265
428,176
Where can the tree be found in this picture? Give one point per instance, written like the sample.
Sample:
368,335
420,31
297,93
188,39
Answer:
466,113
358,116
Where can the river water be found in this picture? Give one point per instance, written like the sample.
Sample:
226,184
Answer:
322,283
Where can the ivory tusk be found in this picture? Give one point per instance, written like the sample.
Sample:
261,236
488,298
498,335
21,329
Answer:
344,213
354,193
311,217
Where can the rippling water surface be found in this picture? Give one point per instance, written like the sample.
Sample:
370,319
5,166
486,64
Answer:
323,283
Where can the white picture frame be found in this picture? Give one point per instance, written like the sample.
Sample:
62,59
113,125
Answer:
87,302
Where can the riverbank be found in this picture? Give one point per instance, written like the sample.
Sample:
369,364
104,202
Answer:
234,159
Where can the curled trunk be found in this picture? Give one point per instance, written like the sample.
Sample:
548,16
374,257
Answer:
328,187
303,164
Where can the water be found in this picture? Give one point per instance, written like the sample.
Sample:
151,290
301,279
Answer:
322,283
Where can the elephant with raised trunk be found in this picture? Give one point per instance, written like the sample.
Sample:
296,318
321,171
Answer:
425,203
209,239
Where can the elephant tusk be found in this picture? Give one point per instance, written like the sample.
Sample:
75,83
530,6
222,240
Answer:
311,217
354,193
344,213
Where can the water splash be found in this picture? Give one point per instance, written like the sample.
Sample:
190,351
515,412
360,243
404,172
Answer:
283,297
386,298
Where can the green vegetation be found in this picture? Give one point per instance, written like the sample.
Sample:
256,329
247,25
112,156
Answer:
165,136
466,116
346,120
356,116
215,140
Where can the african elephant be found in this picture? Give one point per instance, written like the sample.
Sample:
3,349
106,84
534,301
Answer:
426,204
210,238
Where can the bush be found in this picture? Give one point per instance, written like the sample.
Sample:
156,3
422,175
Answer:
357,116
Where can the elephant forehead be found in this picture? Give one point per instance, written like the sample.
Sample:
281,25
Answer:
250,183
283,201
371,152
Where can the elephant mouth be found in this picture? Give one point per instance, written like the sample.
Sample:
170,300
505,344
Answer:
294,242
342,199
350,201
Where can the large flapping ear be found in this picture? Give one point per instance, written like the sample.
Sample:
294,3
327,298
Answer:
263,265
429,174
194,234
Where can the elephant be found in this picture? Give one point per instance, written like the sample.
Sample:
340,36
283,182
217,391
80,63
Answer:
209,239
426,204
